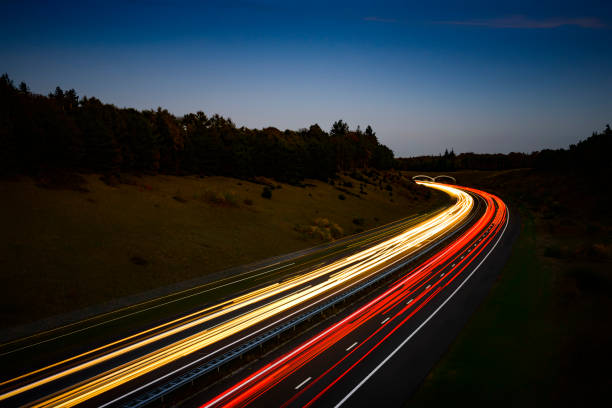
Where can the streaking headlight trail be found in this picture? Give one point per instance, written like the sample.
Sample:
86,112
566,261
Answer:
237,317
399,303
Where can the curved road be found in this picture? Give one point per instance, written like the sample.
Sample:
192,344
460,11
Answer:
379,353
324,367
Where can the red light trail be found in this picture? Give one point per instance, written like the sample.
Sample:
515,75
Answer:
421,285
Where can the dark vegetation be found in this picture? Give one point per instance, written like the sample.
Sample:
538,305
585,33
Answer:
266,193
124,234
542,336
62,131
118,196
40,134
589,154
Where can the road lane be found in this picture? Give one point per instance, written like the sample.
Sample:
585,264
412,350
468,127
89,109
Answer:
241,314
337,373
229,279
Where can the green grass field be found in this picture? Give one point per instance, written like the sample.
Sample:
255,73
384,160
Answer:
67,246
504,354
542,335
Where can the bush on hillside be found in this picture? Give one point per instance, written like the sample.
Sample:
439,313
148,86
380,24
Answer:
266,193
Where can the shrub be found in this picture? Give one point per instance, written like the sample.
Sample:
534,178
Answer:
336,231
321,222
137,260
110,179
228,198
602,251
322,234
321,229
357,176
59,180
213,197
266,193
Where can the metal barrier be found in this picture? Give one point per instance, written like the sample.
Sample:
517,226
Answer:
217,362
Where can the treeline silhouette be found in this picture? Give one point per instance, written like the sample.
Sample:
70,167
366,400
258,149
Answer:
591,154
63,131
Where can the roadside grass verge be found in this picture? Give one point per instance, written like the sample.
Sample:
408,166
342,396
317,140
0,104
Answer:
543,335
97,329
506,353
80,241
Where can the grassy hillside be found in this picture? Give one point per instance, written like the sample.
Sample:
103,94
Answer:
76,240
542,335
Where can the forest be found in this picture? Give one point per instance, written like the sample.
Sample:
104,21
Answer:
590,154
63,131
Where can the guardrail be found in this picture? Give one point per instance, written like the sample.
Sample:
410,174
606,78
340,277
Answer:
164,389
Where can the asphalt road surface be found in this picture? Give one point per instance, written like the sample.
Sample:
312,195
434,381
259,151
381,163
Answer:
338,365
380,352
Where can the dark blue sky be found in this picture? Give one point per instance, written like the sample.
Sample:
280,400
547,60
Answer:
482,76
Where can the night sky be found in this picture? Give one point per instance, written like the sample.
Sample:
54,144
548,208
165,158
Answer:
474,76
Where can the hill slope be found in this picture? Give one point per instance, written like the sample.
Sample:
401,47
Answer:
77,240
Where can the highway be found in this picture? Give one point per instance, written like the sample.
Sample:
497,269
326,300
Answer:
379,353
166,303
114,371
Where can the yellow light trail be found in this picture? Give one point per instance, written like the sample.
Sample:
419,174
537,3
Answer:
341,272
187,318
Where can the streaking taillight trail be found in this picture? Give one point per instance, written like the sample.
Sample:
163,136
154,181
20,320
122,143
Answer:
214,329
420,285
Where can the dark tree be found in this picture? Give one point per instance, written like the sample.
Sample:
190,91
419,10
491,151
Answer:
339,128
64,131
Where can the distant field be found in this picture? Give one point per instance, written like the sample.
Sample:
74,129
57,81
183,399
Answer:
542,336
82,241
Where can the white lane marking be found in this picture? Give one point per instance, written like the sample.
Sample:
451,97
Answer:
384,321
283,359
272,324
409,302
303,382
351,346
453,265
343,400
428,286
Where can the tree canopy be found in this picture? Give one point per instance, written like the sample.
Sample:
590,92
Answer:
64,131
590,154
